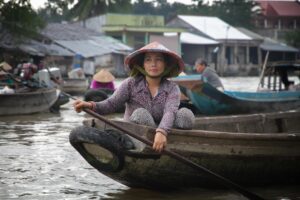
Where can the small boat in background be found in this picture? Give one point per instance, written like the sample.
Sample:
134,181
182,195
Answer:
76,83
75,86
27,101
281,76
254,149
210,101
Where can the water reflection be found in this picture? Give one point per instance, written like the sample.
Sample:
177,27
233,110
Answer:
37,161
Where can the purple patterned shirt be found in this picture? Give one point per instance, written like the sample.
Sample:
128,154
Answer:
134,93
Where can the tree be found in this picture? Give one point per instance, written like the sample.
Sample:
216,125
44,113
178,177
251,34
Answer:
55,10
89,8
235,12
293,38
142,7
120,6
19,19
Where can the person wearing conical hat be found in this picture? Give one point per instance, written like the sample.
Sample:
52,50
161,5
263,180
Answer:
103,79
5,69
150,98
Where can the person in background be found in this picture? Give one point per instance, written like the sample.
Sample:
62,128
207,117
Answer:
150,98
6,79
103,79
208,74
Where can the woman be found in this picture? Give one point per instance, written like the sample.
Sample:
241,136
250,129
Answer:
103,79
150,98
101,86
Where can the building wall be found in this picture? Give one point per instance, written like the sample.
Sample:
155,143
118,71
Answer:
232,57
134,20
171,42
114,62
94,23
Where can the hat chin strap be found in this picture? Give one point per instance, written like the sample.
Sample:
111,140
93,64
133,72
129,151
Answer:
143,71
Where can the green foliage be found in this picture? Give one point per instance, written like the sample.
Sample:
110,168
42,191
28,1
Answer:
55,10
120,6
293,38
235,12
141,7
19,19
89,8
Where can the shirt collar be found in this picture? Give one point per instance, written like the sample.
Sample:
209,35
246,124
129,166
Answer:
141,84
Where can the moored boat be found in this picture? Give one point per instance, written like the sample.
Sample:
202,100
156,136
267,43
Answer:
210,101
253,149
75,86
27,101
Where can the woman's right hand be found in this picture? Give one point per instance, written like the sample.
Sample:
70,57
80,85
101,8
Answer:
79,105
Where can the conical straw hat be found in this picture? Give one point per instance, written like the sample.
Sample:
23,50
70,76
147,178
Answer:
104,76
135,57
5,66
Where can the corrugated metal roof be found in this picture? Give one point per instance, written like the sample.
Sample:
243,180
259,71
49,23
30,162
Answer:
86,48
190,38
214,27
251,34
272,45
113,44
83,41
95,46
40,49
65,31
55,50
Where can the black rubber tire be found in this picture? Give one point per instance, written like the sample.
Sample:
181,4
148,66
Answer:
110,140
95,95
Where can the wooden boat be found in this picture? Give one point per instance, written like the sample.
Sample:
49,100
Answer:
210,101
278,76
61,100
75,86
253,149
27,101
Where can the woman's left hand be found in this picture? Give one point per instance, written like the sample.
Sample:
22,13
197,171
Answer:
160,141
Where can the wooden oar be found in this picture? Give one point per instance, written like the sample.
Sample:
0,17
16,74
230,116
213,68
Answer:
222,180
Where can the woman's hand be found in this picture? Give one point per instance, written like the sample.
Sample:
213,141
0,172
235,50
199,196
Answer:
79,105
160,141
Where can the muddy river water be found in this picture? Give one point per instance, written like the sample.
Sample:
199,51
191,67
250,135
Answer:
37,162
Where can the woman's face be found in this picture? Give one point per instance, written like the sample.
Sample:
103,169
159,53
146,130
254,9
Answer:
154,64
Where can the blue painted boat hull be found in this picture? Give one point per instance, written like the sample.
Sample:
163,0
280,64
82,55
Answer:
210,101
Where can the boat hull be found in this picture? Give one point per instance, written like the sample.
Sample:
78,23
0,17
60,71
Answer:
75,86
27,102
210,101
245,158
